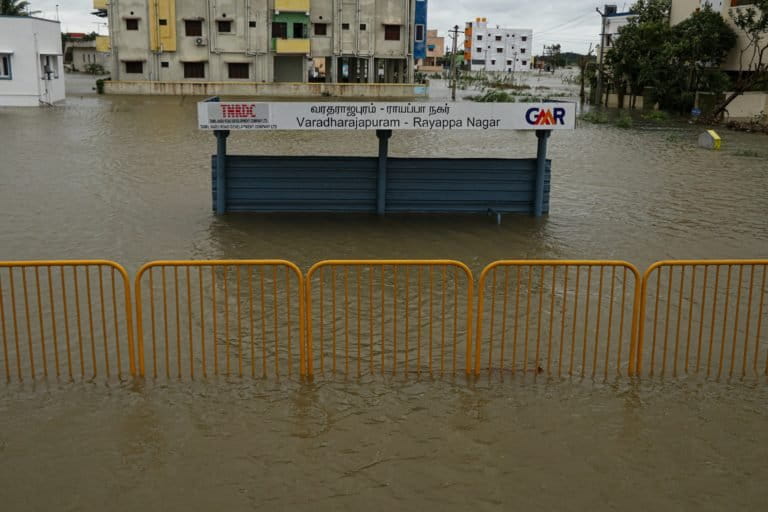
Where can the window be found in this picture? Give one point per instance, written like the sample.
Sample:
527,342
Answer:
509,63
498,38
252,24
391,32
163,23
279,30
193,28
479,38
298,31
345,26
479,50
525,63
525,38
194,70
493,63
363,26
132,24
239,70
737,3
164,64
225,27
321,29
134,66
5,67
420,33
499,50
522,50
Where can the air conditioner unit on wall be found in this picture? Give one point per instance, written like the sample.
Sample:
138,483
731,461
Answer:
201,41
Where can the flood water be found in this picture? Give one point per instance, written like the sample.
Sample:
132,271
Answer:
128,179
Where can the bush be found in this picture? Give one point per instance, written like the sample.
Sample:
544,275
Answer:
624,121
595,117
494,97
100,85
656,115
95,69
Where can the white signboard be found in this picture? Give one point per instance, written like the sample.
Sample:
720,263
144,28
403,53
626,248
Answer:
386,116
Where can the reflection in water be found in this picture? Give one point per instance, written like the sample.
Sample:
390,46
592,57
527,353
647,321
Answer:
129,179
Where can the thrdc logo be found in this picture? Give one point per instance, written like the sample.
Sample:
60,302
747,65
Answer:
541,117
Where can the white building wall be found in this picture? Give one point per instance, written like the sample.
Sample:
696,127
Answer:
501,49
31,43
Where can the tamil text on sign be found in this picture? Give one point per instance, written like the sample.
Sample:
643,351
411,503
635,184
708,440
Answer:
386,116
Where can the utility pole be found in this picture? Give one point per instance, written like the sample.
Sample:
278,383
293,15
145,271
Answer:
583,65
600,76
454,68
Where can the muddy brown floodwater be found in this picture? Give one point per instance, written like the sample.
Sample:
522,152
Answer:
128,179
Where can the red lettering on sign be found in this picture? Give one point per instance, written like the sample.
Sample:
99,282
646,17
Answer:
238,111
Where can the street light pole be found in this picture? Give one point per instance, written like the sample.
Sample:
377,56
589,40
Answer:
454,68
600,77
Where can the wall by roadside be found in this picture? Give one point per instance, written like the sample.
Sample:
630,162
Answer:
274,90
744,108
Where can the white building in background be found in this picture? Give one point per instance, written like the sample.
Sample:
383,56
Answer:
31,62
614,21
492,48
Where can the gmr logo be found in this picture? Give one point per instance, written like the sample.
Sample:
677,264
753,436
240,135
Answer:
540,117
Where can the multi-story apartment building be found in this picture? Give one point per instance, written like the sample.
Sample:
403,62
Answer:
435,48
497,49
360,41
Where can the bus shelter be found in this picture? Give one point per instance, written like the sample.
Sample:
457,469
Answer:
381,184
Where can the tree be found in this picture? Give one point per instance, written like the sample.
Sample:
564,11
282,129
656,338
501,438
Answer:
15,8
674,61
752,21
692,58
638,52
652,11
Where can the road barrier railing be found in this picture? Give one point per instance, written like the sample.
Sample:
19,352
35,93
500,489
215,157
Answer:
68,319
702,316
556,318
389,317
598,319
220,318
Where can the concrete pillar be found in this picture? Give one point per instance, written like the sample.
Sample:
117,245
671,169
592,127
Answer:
334,71
221,171
372,71
381,187
541,169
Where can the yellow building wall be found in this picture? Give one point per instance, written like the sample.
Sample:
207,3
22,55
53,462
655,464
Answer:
99,4
292,46
102,44
162,37
292,5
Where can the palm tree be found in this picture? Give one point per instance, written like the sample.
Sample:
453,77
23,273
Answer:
15,8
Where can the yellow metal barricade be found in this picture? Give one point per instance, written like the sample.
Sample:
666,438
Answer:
227,317
703,316
389,317
557,318
69,319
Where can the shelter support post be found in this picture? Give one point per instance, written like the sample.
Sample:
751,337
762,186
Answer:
541,169
381,188
221,171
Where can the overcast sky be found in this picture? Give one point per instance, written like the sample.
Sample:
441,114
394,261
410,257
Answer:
572,23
